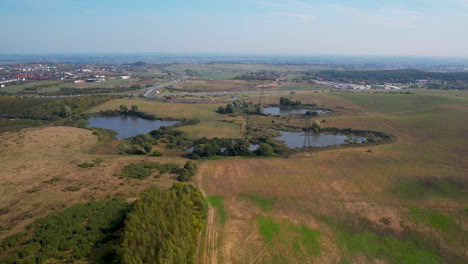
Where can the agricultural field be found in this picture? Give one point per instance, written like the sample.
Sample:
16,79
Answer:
217,85
403,202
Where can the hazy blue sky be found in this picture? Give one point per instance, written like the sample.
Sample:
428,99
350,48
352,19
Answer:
397,27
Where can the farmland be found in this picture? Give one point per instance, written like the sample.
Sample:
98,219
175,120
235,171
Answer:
403,201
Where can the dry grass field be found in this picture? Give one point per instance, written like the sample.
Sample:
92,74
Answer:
403,202
40,174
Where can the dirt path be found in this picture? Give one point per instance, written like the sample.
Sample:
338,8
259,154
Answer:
209,253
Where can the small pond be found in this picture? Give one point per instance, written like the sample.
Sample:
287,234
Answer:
128,126
288,111
297,139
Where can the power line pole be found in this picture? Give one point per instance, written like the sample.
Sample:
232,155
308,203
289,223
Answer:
307,133
262,96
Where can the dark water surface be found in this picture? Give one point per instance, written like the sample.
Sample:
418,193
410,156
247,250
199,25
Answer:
288,111
128,126
296,139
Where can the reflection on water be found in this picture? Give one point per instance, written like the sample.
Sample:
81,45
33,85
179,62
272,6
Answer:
298,140
128,126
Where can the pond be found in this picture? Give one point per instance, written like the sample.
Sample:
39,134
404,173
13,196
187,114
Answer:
288,111
128,126
297,139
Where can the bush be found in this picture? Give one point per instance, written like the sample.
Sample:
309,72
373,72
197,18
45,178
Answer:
72,188
156,153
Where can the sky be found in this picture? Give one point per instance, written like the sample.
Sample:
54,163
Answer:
352,27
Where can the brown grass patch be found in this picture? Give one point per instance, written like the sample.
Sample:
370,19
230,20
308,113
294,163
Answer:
38,164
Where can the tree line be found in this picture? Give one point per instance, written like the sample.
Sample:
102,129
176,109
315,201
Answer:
161,227
50,109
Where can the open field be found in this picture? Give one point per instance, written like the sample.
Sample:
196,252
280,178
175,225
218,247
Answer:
142,79
217,85
403,202
227,71
40,174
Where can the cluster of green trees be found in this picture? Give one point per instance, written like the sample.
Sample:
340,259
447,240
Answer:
161,227
259,76
241,106
174,139
220,146
133,111
141,144
69,235
48,108
205,148
94,90
284,101
144,169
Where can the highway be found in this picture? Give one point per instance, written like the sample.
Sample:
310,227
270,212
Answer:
149,93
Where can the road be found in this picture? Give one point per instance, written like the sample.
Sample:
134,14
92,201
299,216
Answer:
149,93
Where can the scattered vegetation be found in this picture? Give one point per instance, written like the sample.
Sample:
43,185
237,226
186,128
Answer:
54,179
241,106
72,188
145,169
